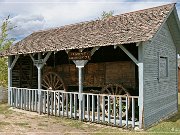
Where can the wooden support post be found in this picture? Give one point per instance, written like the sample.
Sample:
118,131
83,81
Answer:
80,92
39,64
80,65
9,80
10,67
141,84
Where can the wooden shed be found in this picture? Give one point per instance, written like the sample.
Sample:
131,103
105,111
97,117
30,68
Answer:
121,70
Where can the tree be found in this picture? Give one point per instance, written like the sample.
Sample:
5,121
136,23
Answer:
5,43
106,14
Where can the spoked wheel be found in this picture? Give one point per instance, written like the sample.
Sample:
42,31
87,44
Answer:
115,89
52,81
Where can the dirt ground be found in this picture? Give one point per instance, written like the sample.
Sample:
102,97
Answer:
15,121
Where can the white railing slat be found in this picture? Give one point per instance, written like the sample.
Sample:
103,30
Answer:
126,112
133,113
114,110
120,111
48,104
62,104
70,105
103,109
98,108
109,109
93,109
67,104
88,107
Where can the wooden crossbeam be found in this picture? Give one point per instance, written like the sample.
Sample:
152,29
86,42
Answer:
14,61
129,54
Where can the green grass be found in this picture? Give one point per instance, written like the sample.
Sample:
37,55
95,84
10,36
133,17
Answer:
21,123
42,124
3,123
4,109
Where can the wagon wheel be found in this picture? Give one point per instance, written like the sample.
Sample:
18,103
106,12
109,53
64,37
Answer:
115,89
52,81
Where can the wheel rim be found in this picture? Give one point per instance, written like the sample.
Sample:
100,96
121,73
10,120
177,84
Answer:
115,89
52,81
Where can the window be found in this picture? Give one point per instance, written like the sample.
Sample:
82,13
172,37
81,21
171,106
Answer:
163,68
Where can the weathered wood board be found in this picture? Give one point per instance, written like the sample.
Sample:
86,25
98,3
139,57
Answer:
98,74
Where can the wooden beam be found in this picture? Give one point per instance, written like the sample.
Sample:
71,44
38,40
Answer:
14,61
9,80
94,50
141,85
32,58
129,54
46,58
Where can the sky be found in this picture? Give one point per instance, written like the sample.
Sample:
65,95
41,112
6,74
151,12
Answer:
33,15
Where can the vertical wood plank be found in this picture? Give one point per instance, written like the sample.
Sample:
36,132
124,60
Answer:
70,105
48,104
21,96
109,110
9,80
52,103
36,92
55,109
59,112
83,108
88,107
11,96
29,100
75,105
126,112
103,109
133,113
98,108
32,100
44,102
114,110
120,111
21,103
16,97
67,104
25,100
62,104
93,109
141,83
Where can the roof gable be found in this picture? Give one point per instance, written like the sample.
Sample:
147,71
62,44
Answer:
174,27
120,29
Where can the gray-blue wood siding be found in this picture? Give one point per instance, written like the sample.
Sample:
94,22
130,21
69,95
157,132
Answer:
160,96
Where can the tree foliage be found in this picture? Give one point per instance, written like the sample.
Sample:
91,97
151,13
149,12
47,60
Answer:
5,43
106,14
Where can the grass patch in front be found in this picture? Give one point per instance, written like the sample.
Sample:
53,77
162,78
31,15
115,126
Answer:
4,109
42,124
3,123
21,123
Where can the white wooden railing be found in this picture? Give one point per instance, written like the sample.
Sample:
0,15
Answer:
116,110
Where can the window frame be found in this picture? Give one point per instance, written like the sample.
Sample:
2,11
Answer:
166,78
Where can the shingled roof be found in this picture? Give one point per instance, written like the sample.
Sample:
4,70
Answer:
120,29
